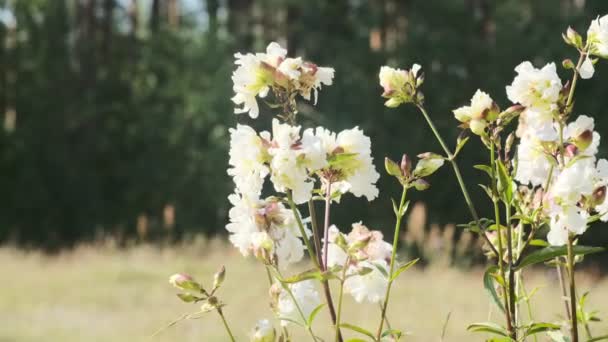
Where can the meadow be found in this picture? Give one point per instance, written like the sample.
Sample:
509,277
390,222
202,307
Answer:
103,293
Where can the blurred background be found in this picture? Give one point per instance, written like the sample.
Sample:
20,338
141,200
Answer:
114,117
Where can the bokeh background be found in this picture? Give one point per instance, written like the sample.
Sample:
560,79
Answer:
116,112
114,118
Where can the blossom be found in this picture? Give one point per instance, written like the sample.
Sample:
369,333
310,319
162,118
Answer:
481,111
538,124
289,160
306,297
536,88
580,133
364,254
533,165
263,332
574,181
257,74
566,220
400,86
251,78
266,229
597,36
179,280
586,70
602,181
248,156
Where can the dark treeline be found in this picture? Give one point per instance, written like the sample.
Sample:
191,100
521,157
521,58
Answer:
115,113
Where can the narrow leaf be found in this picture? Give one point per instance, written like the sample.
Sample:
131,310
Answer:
488,327
549,253
314,313
357,329
403,268
488,284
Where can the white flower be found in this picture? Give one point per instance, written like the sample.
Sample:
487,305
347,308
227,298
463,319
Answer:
313,78
289,164
290,67
538,124
275,54
266,229
533,165
251,78
361,173
479,104
392,79
566,220
580,132
574,181
306,297
263,332
597,36
374,253
247,160
587,70
537,88
369,287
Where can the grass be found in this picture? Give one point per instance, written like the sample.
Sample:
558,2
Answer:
103,294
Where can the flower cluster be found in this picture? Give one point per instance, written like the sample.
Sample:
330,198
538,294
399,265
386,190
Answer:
401,86
258,74
290,309
554,154
366,258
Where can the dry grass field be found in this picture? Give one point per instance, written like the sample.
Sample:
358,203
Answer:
104,294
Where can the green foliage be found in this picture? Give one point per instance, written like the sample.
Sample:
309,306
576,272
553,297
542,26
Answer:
115,122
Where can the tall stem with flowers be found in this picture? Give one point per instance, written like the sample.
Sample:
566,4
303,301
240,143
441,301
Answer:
550,181
543,179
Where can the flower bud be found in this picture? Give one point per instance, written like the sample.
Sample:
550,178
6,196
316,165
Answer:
509,142
570,150
218,278
599,195
421,184
478,126
568,64
583,140
184,282
406,165
263,332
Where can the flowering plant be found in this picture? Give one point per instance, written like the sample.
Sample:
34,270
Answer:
543,177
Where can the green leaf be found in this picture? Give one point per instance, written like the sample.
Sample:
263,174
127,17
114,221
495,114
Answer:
488,327
539,243
395,208
488,284
306,275
314,313
187,297
536,328
356,340
428,165
484,168
460,145
601,338
392,332
357,329
551,252
403,268
505,183
392,168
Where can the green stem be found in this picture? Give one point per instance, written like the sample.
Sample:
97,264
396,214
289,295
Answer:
527,300
221,313
315,229
313,257
500,242
512,283
296,214
463,187
562,284
396,236
297,305
338,336
573,316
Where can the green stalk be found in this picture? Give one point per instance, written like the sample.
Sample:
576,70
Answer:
573,319
512,283
338,336
500,245
399,217
219,311
313,257
463,187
